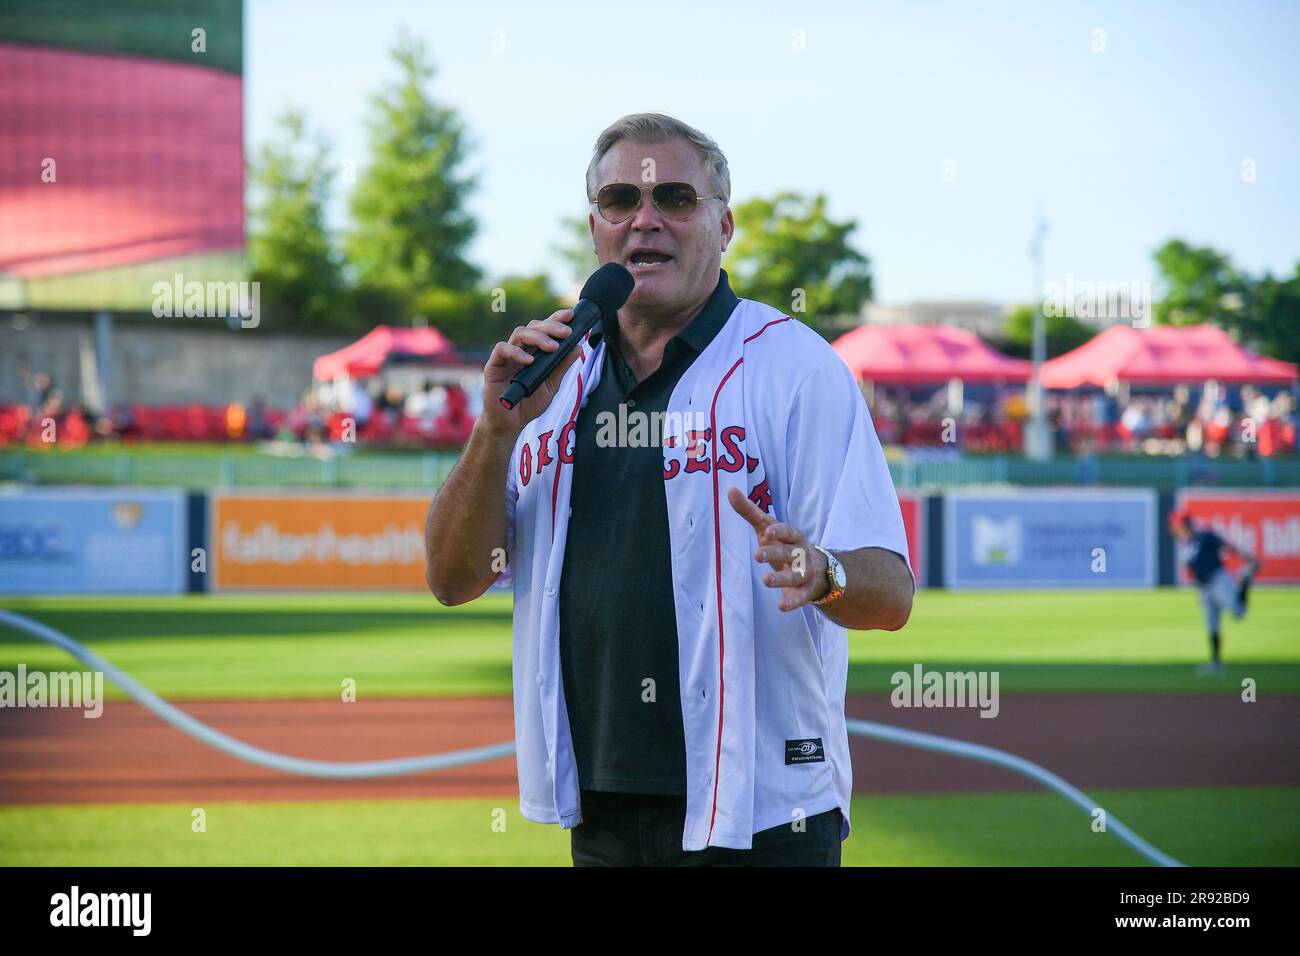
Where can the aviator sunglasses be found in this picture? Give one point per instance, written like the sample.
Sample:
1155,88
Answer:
619,201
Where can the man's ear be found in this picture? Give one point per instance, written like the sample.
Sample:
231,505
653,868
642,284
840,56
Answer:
728,228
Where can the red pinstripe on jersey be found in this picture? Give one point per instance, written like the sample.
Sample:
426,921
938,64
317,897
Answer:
559,457
717,565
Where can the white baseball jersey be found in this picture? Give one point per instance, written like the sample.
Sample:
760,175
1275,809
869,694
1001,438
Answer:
771,409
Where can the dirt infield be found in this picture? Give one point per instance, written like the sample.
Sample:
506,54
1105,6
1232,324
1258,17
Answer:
128,755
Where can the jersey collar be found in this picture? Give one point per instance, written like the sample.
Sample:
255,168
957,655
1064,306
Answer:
701,330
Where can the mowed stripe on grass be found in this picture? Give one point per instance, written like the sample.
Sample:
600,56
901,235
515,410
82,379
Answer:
1237,826
408,645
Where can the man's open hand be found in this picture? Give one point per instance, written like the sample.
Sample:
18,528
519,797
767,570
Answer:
798,568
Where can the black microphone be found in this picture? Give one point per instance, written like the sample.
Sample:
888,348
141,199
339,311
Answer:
604,294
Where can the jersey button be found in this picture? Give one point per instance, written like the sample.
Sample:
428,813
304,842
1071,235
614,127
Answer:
541,679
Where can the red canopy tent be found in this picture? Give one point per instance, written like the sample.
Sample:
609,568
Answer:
384,344
1163,355
917,354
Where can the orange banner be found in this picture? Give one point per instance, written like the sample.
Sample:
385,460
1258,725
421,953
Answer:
317,542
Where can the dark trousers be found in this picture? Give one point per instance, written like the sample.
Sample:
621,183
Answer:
624,829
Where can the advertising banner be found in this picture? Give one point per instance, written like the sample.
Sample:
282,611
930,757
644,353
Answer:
1263,523
913,507
1031,538
316,542
93,541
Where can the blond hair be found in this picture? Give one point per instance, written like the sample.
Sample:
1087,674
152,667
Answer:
656,128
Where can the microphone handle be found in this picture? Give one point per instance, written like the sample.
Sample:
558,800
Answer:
529,378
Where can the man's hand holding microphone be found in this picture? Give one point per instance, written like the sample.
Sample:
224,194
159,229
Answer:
466,527
527,345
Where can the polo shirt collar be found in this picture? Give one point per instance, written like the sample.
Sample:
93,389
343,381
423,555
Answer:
701,330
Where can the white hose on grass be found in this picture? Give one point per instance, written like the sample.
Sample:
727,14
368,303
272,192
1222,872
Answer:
353,770
1000,758
182,721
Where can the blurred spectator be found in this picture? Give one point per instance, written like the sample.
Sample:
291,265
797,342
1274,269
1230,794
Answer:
1277,434
390,402
472,386
259,426
306,417
354,400
236,421
39,387
427,405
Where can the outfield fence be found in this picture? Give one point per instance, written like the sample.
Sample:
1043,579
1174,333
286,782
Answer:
351,770
429,470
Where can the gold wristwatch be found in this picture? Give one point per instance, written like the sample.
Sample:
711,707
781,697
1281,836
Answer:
834,575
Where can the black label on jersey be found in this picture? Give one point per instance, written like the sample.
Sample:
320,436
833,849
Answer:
805,751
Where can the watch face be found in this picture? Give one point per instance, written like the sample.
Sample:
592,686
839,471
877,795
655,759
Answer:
840,579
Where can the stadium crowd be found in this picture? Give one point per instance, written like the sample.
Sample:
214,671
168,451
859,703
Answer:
1216,421
429,416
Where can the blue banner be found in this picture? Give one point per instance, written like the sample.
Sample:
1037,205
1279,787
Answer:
92,541
1042,539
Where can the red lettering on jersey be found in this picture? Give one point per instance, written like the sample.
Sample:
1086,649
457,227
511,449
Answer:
566,445
761,496
526,464
544,450
696,459
671,467
751,464
732,436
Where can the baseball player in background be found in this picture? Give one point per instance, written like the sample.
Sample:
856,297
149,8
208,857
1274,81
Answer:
691,511
1219,591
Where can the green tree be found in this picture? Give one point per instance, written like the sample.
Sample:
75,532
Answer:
289,246
411,227
1064,333
486,316
788,243
1272,316
575,248
1199,285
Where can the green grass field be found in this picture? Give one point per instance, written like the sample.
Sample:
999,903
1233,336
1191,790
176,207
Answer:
408,645
245,647
1214,826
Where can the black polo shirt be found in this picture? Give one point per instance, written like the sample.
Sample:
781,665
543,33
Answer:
618,625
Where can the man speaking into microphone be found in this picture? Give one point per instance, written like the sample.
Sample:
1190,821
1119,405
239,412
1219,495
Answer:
681,604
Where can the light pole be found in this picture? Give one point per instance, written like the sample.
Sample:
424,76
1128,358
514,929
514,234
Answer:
1038,439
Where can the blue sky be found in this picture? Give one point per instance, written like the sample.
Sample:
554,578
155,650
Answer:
1121,149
